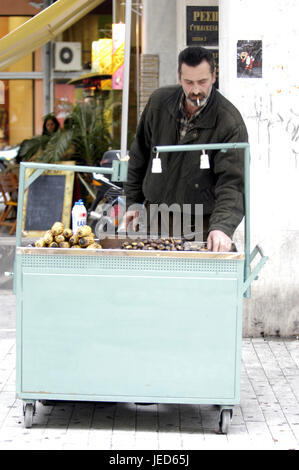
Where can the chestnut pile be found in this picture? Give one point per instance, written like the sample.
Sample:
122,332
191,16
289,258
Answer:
168,244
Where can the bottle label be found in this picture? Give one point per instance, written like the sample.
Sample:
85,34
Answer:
78,218
80,222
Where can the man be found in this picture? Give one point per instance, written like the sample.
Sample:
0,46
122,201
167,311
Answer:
193,112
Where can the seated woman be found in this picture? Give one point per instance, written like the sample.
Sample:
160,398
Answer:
51,124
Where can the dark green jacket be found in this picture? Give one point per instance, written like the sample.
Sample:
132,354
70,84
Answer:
220,189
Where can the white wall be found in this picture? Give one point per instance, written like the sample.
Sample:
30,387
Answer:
270,107
160,37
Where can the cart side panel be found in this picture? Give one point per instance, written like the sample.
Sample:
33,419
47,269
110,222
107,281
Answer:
123,334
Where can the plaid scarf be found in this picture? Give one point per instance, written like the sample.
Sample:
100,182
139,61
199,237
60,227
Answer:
185,124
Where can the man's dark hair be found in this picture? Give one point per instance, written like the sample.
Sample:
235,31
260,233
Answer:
195,55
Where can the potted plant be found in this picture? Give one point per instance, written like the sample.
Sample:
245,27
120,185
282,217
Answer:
84,138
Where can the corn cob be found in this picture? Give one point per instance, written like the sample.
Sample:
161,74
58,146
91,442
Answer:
85,241
48,237
57,228
74,239
94,246
84,231
67,233
40,243
59,238
64,245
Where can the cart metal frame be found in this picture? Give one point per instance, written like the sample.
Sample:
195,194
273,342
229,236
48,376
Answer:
114,325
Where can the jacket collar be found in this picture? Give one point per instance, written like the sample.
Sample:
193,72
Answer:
206,119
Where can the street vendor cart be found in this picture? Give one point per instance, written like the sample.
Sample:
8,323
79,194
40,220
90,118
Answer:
131,326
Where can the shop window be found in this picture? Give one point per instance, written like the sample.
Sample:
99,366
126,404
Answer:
64,101
21,97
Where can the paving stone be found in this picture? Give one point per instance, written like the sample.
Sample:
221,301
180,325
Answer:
266,418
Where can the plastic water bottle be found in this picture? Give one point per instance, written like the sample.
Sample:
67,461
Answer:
78,216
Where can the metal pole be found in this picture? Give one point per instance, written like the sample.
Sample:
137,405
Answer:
113,11
47,77
52,65
58,167
46,61
190,148
126,81
247,219
137,63
20,206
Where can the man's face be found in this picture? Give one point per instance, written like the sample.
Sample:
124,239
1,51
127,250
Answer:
197,82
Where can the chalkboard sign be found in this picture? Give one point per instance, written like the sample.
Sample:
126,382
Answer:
47,200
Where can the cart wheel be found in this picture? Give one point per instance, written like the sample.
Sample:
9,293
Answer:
28,415
225,420
47,402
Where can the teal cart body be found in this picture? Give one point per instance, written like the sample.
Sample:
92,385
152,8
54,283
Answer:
119,325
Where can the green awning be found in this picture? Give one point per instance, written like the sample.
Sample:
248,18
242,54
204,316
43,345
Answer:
41,28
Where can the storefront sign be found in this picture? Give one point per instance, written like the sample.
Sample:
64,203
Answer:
202,26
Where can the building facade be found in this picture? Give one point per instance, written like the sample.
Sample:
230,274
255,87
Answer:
255,48
38,83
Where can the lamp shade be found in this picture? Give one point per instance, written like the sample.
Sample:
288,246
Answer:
101,56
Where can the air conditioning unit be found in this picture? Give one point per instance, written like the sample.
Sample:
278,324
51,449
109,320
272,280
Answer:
68,56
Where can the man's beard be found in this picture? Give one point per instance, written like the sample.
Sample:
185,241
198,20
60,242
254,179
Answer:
200,100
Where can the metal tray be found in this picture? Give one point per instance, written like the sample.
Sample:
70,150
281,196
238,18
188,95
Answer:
112,247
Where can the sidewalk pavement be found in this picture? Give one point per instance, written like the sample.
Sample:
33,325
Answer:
266,419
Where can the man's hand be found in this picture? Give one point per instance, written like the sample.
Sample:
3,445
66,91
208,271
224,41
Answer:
218,241
131,216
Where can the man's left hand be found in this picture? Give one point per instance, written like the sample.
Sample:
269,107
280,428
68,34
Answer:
218,241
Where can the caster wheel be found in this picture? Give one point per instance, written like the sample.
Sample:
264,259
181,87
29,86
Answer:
225,420
28,415
46,402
